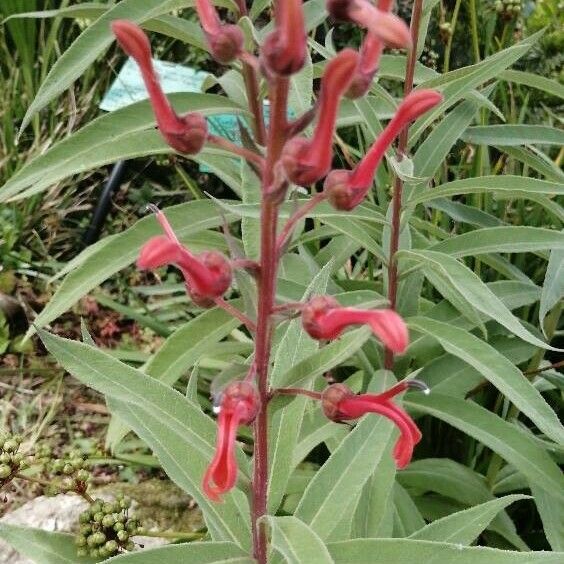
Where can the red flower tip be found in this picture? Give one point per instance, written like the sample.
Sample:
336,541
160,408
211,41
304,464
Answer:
238,405
339,403
347,189
388,27
207,276
323,318
307,161
284,50
186,134
225,41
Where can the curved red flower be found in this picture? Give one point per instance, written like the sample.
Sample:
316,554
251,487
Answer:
239,404
341,404
207,275
324,318
186,134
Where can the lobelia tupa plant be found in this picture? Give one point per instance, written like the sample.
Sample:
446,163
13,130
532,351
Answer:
288,158
305,452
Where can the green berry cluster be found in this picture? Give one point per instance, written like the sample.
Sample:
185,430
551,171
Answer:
508,9
75,476
11,461
106,528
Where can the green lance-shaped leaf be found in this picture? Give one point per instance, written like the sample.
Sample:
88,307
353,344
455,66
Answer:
496,368
501,239
463,527
297,542
344,474
511,443
512,135
475,292
553,287
407,551
126,133
517,186
179,433
194,553
42,546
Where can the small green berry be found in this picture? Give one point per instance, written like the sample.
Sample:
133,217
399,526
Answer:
82,475
118,526
96,506
80,540
103,553
122,536
99,537
98,517
5,471
111,546
108,521
68,469
10,445
5,458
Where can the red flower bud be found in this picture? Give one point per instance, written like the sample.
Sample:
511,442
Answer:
238,405
339,403
225,41
391,29
306,161
207,276
324,318
186,134
346,189
284,50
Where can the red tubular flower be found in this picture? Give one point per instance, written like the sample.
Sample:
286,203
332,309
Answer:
225,41
339,403
324,318
370,53
391,29
207,276
284,49
346,189
308,160
238,405
186,134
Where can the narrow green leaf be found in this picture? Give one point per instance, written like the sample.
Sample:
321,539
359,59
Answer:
514,239
406,551
194,553
474,291
126,133
42,546
511,135
504,375
534,81
465,526
511,443
324,359
344,474
553,287
516,185
551,511
297,542
179,433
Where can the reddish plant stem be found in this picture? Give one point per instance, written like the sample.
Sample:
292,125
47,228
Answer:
220,302
267,292
236,150
255,103
398,183
296,392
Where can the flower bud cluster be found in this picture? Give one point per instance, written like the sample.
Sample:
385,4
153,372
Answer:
105,529
73,474
508,9
11,461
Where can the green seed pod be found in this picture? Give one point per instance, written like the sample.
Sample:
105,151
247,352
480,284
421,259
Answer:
98,517
96,506
108,521
85,517
131,526
80,540
99,537
122,536
94,553
130,545
5,471
118,526
17,458
10,445
122,518
107,508
103,553
83,475
5,458
91,540
68,469
111,546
